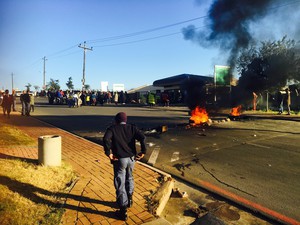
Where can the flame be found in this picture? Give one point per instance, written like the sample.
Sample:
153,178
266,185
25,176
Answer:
237,111
199,115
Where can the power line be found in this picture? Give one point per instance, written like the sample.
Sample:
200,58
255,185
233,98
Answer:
136,41
142,40
126,35
61,51
166,35
283,5
143,31
117,37
71,53
112,38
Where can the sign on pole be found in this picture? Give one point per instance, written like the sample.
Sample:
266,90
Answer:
222,75
104,86
118,87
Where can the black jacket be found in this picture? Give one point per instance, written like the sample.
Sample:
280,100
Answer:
120,139
25,98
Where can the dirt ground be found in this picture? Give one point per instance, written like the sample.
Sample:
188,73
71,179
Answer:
191,205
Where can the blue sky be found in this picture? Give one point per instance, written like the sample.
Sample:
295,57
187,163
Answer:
32,29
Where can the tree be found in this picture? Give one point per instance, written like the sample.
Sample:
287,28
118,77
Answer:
36,87
28,86
70,84
87,86
53,85
246,57
270,66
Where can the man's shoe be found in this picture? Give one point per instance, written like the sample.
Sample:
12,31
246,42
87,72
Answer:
130,201
122,214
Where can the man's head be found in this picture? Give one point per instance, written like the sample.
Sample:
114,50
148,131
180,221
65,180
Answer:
121,117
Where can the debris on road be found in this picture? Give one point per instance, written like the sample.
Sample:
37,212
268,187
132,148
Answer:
181,194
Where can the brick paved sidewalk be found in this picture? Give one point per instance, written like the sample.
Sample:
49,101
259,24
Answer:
92,198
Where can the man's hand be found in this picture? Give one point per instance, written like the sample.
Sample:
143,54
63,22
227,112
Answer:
112,157
139,156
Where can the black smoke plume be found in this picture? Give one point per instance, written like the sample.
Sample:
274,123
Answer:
195,93
227,26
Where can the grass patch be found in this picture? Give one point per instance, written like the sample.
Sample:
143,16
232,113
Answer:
31,193
12,136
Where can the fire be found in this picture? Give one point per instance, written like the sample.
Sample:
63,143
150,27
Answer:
199,115
237,111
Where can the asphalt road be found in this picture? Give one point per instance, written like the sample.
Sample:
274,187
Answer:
256,158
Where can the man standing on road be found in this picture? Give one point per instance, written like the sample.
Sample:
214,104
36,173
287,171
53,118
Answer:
14,98
26,100
288,100
6,103
119,145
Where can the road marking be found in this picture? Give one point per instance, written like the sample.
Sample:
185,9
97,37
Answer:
257,145
153,156
175,157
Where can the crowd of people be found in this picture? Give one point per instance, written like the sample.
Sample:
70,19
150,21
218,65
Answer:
83,98
287,99
86,98
93,98
9,101
283,100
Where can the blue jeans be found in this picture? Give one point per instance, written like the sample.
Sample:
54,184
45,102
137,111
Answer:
281,107
23,108
123,180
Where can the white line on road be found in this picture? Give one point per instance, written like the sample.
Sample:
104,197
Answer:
257,145
153,156
175,156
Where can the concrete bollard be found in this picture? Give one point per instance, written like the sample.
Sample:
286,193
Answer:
49,150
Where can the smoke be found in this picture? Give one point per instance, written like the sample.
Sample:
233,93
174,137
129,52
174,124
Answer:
234,25
227,26
195,93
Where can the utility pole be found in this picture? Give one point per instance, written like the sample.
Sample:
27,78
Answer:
44,73
12,82
84,51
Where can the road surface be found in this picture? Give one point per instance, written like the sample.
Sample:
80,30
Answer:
255,158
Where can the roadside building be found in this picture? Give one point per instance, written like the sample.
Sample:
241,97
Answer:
187,89
139,94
